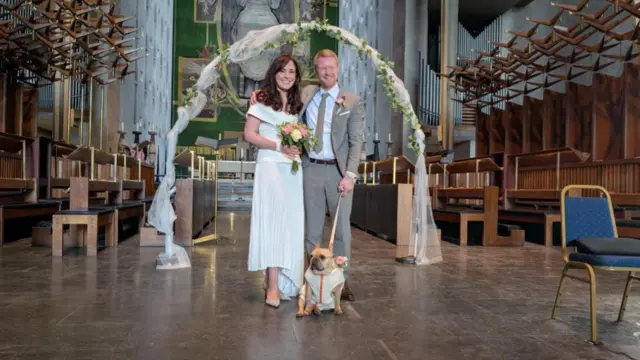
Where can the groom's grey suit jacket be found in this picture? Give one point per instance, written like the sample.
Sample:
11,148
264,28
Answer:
347,129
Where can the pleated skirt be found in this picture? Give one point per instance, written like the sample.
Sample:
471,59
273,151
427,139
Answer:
277,224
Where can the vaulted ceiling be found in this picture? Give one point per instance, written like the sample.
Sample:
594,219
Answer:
475,15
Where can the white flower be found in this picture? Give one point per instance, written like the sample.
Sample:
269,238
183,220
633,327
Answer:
296,135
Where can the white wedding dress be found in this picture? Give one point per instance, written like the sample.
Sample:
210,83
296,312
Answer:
277,212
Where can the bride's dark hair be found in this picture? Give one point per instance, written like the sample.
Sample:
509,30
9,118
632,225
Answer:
269,95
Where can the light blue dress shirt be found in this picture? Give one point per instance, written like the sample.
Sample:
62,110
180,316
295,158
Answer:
312,119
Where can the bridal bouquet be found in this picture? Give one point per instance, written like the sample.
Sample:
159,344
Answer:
298,135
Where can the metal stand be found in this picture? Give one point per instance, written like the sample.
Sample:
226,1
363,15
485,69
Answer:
376,150
121,142
212,169
153,150
137,134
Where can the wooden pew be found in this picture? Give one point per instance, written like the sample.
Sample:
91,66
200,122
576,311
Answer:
627,210
626,205
50,168
538,210
19,188
449,210
371,214
195,199
374,204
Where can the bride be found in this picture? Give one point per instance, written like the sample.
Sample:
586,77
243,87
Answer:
277,213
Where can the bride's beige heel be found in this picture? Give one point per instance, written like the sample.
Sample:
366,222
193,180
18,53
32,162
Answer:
272,303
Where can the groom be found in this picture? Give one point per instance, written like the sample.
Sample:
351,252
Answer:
337,118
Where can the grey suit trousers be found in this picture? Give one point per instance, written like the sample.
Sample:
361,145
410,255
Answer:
321,189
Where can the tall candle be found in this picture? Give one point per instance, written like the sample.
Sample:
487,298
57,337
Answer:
121,126
389,137
376,136
137,126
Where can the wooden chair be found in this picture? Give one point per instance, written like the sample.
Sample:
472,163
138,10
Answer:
87,222
82,215
588,224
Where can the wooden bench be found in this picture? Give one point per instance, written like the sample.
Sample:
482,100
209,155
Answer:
463,216
50,167
22,217
628,228
534,222
626,205
482,201
195,202
537,210
19,189
385,209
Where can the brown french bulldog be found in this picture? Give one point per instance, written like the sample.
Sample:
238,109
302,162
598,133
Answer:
323,283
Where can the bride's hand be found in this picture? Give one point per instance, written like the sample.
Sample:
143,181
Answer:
291,151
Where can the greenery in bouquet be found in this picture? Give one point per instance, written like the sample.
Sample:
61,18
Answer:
298,135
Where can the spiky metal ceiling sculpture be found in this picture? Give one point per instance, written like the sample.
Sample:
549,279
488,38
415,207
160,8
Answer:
54,39
493,76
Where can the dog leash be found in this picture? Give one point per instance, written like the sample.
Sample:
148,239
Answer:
335,222
331,240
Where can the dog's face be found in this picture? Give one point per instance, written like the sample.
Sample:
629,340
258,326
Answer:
322,261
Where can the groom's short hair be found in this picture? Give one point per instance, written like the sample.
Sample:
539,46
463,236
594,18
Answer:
325,53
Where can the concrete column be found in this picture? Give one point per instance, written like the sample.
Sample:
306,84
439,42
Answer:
448,49
398,57
385,47
416,33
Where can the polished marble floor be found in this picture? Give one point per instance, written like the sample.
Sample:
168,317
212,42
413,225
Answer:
480,303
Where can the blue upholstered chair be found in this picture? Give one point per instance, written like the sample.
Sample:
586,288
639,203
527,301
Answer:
588,224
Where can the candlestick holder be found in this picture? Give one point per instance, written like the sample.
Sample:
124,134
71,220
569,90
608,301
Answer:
376,150
389,149
136,134
152,149
122,147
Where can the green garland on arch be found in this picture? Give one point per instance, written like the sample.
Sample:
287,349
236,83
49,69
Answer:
383,69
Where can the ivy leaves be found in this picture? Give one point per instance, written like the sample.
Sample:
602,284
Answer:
384,68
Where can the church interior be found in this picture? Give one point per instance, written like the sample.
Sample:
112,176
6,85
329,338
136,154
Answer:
125,230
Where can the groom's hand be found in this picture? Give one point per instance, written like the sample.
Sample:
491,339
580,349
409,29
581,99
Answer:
346,185
254,96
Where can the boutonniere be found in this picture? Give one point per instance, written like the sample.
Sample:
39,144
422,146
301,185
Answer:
340,102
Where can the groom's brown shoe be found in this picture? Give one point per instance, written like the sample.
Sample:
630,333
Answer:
347,295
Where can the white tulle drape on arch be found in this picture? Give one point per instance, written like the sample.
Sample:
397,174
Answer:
162,215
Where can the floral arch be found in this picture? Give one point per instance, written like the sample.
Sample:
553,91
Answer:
162,214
